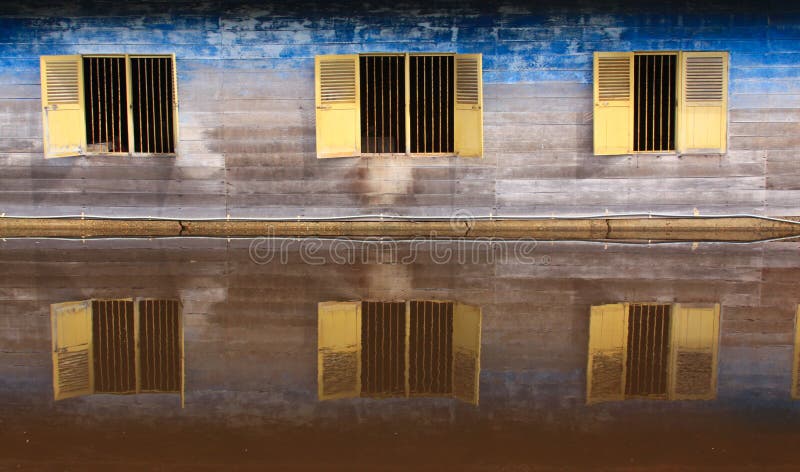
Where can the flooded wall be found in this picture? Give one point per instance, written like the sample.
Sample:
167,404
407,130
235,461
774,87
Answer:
247,132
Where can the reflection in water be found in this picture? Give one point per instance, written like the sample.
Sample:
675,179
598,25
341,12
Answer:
796,357
643,350
398,349
120,346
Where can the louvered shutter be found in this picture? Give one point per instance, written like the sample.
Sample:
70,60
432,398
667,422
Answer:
338,106
338,350
466,352
613,103
608,338
694,334
468,117
71,330
703,118
63,115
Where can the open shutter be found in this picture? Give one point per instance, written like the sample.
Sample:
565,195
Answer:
338,350
704,110
693,352
71,329
466,352
468,115
175,122
608,339
338,106
63,115
613,103
796,360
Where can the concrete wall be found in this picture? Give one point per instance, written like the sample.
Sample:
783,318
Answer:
247,110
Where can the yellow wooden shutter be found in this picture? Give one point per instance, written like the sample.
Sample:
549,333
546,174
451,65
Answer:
175,102
796,359
704,105
694,336
338,106
613,103
468,115
338,350
608,339
71,329
63,115
466,352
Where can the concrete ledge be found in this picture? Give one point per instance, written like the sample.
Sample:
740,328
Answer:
661,229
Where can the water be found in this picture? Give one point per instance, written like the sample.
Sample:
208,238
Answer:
429,395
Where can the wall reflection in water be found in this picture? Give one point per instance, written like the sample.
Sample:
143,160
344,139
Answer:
398,349
650,350
119,346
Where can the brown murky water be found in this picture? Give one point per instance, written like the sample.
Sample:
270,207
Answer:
205,354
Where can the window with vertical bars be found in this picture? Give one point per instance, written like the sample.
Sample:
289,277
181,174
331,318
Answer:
383,348
159,345
130,104
648,350
428,116
114,346
655,104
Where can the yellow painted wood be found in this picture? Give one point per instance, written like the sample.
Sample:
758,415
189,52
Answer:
338,333
613,118
468,115
466,352
71,334
175,104
338,120
608,339
694,330
703,125
407,95
63,114
796,357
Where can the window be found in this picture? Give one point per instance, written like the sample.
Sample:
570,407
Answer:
121,346
660,102
112,104
410,104
649,350
398,349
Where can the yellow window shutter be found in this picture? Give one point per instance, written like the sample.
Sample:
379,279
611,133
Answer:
63,115
704,105
338,350
468,115
71,329
608,339
338,106
466,352
694,337
613,103
796,357
175,121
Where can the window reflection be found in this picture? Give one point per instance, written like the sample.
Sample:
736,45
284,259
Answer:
647,350
120,346
398,349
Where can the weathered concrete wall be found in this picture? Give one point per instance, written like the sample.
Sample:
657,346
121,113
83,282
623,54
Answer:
251,329
247,110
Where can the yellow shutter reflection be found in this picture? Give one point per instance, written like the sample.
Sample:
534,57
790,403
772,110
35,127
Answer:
704,111
63,115
468,117
693,352
338,350
71,329
613,103
466,352
338,106
608,337
796,360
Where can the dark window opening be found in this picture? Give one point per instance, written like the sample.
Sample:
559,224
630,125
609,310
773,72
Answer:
383,92
114,346
383,361
431,348
648,350
106,103
432,104
159,345
151,100
654,102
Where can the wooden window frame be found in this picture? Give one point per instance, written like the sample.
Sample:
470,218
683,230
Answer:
680,103
173,107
